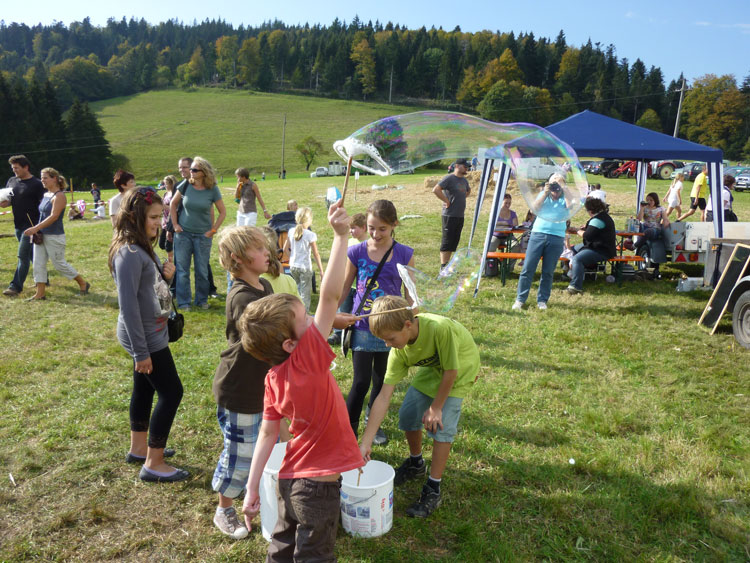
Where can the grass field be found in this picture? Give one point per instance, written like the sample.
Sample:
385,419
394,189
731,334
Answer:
231,128
653,410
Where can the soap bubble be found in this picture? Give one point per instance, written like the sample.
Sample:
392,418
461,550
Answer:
403,142
438,294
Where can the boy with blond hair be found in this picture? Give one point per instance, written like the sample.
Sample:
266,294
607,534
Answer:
300,387
239,379
448,364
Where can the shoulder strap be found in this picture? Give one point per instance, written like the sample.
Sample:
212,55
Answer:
374,277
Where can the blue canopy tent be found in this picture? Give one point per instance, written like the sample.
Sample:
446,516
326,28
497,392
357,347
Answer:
592,134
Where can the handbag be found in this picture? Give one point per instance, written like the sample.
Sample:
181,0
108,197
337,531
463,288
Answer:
37,238
175,320
175,324
346,339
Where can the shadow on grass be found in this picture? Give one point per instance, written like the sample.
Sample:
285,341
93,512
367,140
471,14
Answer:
537,436
586,512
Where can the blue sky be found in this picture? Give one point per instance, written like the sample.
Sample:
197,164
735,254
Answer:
693,37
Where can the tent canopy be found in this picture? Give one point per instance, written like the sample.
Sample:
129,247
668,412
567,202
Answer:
593,134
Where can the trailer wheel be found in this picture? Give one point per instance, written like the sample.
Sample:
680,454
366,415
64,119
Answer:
644,253
741,320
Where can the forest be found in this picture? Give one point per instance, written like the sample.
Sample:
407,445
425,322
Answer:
498,75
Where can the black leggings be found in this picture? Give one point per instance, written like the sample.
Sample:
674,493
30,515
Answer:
367,366
166,383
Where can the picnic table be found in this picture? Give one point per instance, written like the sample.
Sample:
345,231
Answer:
505,256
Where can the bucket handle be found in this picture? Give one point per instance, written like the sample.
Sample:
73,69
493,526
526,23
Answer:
365,499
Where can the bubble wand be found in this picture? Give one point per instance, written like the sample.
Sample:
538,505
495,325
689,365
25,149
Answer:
346,179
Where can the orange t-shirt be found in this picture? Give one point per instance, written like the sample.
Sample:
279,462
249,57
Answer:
303,390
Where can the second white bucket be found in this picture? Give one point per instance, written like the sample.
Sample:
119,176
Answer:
367,506
269,506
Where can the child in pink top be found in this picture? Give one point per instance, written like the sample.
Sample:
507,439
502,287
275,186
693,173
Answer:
300,387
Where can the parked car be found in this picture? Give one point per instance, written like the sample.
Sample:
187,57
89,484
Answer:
404,167
588,165
742,182
319,171
690,171
736,170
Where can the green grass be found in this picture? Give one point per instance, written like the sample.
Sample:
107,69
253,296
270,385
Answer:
231,128
653,410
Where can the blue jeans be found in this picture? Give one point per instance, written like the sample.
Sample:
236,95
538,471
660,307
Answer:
25,255
548,248
187,246
584,257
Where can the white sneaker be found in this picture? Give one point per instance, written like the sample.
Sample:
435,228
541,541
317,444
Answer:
229,523
517,306
542,306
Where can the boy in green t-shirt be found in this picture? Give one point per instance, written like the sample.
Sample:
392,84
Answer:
448,364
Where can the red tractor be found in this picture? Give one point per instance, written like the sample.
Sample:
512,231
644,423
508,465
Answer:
660,169
627,169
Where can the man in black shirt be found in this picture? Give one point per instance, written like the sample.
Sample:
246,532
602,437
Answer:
27,194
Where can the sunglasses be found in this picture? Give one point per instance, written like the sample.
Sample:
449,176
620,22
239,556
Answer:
196,170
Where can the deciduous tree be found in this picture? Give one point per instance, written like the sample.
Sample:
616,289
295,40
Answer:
309,149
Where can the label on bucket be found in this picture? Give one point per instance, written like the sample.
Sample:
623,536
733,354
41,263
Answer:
355,511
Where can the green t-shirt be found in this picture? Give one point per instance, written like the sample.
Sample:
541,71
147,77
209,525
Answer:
196,213
283,284
442,344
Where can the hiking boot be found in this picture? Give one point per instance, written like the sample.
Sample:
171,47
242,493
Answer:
229,523
380,438
408,471
428,501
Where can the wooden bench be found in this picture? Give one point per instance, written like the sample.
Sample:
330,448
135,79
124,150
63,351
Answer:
616,262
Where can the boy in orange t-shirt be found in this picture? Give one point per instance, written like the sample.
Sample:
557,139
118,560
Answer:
300,387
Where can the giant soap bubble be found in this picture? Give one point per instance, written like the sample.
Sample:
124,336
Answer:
439,293
403,142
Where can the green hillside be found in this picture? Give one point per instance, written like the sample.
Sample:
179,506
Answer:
230,128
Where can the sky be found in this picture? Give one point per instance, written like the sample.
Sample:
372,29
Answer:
690,37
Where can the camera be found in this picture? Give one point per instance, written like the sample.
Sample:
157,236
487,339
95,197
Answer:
554,187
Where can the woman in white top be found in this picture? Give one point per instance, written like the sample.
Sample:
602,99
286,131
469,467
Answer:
674,196
300,242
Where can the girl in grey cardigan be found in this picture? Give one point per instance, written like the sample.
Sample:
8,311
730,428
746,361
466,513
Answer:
144,298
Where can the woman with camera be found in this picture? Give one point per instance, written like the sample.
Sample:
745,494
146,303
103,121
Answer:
546,241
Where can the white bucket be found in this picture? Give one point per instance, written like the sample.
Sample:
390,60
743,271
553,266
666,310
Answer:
367,508
269,506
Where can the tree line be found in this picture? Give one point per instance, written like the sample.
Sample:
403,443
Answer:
33,125
498,75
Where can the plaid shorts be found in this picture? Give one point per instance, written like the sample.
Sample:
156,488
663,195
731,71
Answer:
240,435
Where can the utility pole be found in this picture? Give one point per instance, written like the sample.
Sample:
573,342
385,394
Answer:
283,144
679,110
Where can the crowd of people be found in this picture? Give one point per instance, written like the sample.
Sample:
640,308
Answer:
273,381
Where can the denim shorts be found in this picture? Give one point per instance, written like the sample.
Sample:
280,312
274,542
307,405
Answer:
414,406
365,341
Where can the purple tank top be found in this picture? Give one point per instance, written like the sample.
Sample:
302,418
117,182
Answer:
388,282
